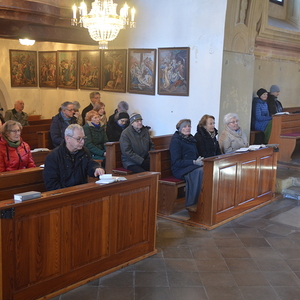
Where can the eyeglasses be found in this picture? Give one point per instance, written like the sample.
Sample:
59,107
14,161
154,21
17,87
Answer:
16,131
78,139
234,122
70,109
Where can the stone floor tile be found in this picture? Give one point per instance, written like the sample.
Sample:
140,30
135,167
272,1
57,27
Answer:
151,279
217,279
115,293
152,293
83,292
282,278
293,264
178,252
190,293
241,265
184,279
148,265
281,242
234,253
203,242
288,292
273,265
206,253
180,265
262,253
229,242
248,278
247,232
118,278
259,293
254,242
289,253
209,265
224,293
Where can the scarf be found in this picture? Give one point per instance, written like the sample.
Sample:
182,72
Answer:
12,144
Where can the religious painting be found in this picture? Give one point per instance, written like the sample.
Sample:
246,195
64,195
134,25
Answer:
89,70
47,69
173,65
114,70
23,68
67,69
141,71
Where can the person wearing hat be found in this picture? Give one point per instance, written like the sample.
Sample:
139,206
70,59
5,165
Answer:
274,104
116,126
261,119
135,143
186,163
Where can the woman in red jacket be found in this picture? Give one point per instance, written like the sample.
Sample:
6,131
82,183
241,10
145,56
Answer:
14,153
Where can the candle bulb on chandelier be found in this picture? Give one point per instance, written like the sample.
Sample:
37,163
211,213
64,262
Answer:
83,8
132,14
74,8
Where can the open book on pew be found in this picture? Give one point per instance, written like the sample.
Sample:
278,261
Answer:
108,178
251,148
282,113
39,150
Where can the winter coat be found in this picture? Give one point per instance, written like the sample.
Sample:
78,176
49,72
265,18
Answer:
96,138
260,114
58,127
274,105
183,153
63,169
135,146
15,158
113,130
231,140
12,114
206,145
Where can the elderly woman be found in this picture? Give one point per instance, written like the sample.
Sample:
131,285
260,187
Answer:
100,109
115,126
95,135
232,137
206,137
186,162
261,119
14,153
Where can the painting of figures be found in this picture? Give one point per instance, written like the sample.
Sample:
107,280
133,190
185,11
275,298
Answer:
114,70
47,69
67,69
89,70
23,68
141,71
173,64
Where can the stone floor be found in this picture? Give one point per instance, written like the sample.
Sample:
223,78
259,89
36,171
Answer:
254,257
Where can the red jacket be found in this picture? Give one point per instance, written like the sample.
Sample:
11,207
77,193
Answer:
15,158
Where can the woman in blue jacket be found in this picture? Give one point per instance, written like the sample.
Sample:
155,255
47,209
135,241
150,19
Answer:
186,162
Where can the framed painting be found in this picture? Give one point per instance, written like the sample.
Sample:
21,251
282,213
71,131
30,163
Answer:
141,71
47,69
114,70
67,69
23,68
173,64
89,70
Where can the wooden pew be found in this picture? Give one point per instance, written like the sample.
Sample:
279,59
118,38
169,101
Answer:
113,162
71,236
19,181
39,157
40,122
285,132
171,191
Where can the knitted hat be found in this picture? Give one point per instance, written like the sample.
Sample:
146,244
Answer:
182,123
274,88
260,92
134,117
123,115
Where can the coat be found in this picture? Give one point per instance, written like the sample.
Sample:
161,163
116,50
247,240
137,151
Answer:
15,158
274,105
206,145
62,169
58,127
260,114
85,111
231,140
113,130
12,114
135,146
96,138
183,153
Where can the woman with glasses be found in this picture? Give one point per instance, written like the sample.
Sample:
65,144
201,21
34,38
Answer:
232,137
95,135
14,152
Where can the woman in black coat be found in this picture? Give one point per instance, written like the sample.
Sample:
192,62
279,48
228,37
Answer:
115,126
207,143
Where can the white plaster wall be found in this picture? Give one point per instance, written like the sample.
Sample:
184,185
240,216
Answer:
195,24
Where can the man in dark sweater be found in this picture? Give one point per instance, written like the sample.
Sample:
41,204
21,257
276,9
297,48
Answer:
94,97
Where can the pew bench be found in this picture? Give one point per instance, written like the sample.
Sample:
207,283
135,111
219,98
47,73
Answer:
285,132
113,162
171,190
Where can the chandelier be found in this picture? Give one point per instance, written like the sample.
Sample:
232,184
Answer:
103,22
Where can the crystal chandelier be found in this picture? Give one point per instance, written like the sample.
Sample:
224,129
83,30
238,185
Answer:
103,22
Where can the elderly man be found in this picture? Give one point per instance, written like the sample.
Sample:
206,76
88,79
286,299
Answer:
274,105
17,113
135,143
94,97
71,163
61,121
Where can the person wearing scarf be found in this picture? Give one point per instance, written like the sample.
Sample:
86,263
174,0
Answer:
186,164
206,137
95,135
14,152
116,126
232,137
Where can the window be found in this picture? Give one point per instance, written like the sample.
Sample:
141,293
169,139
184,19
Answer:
280,2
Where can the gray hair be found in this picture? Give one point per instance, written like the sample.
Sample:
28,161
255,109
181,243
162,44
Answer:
8,125
71,128
228,117
65,105
76,105
123,106
93,94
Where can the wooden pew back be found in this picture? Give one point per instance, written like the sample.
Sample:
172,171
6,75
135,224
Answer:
40,122
30,135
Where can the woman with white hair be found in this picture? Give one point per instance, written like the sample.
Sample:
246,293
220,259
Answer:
232,137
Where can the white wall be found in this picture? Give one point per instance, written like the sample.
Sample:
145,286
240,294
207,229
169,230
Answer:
195,24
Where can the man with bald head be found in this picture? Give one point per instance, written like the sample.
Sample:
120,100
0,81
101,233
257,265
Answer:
17,113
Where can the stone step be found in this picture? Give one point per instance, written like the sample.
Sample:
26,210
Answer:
292,192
